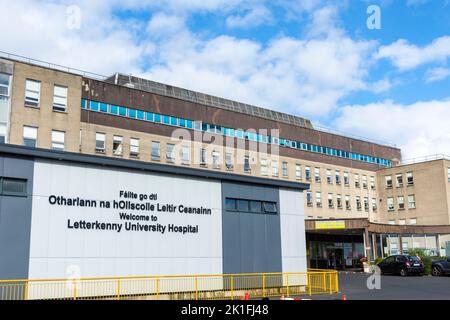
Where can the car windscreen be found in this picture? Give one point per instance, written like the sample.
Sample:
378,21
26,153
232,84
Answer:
414,259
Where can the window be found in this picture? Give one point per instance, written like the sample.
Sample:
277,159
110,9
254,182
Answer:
318,199
58,138
203,157
374,205
185,155
399,180
309,200
134,147
264,170
308,173
243,205
402,222
338,177
156,154
339,201
170,153
60,99
366,204
100,139
29,136
410,178
32,93
372,183
117,145
270,207
298,171
329,177
411,201
392,222
346,179
448,174
285,169
388,181
390,204
317,174
357,182
256,206
13,187
229,162
348,205
364,182
216,159
401,203
275,168
230,204
358,203
330,201
413,221
4,84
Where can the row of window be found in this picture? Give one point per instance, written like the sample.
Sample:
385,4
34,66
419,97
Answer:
30,138
360,180
251,206
33,95
5,80
401,203
399,181
230,132
402,222
341,202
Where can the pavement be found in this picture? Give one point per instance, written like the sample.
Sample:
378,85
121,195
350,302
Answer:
354,286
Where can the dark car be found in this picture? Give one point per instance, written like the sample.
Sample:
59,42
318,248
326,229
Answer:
440,267
402,264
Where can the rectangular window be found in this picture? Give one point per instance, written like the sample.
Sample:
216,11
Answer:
309,200
448,174
401,203
390,204
203,157
411,201
156,151
4,84
357,182
216,159
32,93
402,222
409,178
372,183
413,221
58,138
134,147
374,205
243,205
13,187
364,182
285,169
366,204
330,201
275,168
388,181
170,153
358,203
60,99
348,204
392,222
229,162
329,177
117,145
100,139
317,174
29,136
399,180
264,170
346,179
308,173
339,201
270,207
256,206
338,177
230,204
298,171
185,155
318,199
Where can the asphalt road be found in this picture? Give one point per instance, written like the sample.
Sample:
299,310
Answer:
354,286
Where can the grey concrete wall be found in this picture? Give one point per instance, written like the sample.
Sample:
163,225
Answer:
15,220
251,242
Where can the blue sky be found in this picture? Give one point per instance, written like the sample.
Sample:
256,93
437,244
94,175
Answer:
314,58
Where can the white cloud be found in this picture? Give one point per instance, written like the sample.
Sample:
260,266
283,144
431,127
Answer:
406,56
254,17
419,129
437,74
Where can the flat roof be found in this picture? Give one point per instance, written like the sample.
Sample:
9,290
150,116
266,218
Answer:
38,153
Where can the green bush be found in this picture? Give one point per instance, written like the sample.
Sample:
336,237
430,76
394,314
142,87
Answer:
425,259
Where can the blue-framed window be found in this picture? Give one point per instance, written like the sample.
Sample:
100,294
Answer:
114,109
122,111
103,107
83,104
132,113
141,115
94,106
157,118
149,116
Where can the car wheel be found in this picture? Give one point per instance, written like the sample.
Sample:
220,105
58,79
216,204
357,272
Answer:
403,272
437,272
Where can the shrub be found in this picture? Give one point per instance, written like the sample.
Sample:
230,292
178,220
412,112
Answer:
425,259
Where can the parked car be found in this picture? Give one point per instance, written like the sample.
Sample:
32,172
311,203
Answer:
402,264
440,267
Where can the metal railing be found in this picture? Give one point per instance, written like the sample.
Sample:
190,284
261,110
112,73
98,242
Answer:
425,159
177,287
